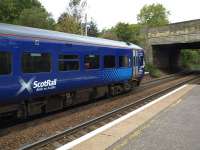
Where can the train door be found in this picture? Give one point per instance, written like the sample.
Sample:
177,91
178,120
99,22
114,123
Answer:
135,63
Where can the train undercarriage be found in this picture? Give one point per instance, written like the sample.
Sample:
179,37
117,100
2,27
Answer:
47,104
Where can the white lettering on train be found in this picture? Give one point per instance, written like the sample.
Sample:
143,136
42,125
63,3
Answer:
36,85
47,83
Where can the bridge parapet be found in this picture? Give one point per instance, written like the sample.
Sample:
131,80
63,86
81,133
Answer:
173,36
182,32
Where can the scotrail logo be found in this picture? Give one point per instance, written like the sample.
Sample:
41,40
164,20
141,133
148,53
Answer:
36,85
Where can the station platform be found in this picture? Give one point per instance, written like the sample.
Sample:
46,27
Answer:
167,123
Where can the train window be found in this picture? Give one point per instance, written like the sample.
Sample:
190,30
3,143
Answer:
36,62
141,60
91,62
123,61
68,62
134,61
68,57
109,61
5,63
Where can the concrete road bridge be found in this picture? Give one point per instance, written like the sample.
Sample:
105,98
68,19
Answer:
163,44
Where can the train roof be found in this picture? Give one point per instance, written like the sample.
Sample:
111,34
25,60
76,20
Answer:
17,30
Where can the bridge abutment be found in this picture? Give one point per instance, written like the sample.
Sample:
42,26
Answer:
163,44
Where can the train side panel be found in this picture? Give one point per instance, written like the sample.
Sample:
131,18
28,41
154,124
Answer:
17,86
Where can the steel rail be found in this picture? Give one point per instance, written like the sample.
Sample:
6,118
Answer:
70,131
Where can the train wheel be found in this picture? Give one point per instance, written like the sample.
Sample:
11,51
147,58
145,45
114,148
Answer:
127,87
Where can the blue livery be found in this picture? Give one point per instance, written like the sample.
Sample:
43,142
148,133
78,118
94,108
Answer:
38,63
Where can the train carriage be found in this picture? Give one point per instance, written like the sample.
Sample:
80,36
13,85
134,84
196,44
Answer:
43,71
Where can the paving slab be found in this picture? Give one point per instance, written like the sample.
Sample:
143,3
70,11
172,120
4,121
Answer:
176,128
117,135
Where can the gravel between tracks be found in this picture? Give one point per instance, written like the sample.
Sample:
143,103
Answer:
17,136
147,78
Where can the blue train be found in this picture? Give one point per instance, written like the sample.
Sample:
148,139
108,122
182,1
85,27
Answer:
43,71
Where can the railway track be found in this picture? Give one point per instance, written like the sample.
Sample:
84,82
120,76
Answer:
164,79
12,122
32,130
71,134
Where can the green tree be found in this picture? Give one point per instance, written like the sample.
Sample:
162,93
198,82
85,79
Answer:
136,37
67,23
10,10
76,8
36,17
92,29
153,15
190,59
71,20
108,34
123,31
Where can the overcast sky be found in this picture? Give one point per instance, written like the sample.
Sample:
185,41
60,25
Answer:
107,13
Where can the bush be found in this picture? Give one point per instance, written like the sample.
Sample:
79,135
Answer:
190,59
153,71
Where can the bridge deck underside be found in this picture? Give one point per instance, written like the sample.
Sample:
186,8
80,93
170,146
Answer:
167,57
